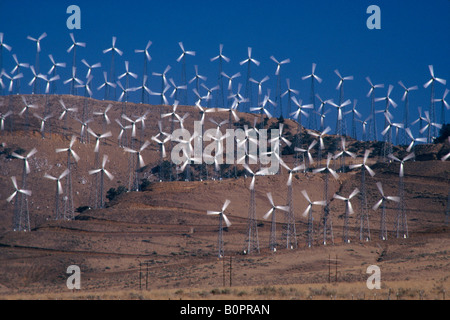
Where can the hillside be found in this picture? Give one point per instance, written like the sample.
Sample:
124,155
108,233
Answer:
165,226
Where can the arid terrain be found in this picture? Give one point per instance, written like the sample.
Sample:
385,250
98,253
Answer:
159,243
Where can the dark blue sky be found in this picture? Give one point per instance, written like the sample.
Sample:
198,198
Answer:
332,34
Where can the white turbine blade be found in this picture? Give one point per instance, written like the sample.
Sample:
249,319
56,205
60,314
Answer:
283,208
26,192
409,156
396,199
47,176
267,215
305,213
371,172
336,196
212,212
227,222
77,158
354,193
305,194
11,196
65,173
108,174
377,205
59,187
94,171
380,188
269,196
225,205
333,173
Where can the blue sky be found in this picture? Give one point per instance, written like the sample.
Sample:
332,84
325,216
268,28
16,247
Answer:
332,34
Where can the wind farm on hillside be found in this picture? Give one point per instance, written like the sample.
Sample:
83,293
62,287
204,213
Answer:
88,176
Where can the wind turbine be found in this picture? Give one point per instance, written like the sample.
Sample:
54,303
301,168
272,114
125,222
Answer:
84,127
429,125
68,203
24,215
74,61
272,211
308,212
97,139
278,88
143,87
312,120
297,115
21,220
113,49
413,140
321,111
65,112
252,224
34,80
183,69
262,109
209,93
221,57
230,82
340,85
420,119
444,105
19,75
372,121
161,140
53,70
402,223
355,113
327,224
3,45
104,115
432,107
308,151
147,59
341,127
102,172
248,86
364,230
126,74
26,111
222,217
291,233
387,133
405,98
3,118
321,146
197,78
342,154
134,173
364,124
59,191
121,137
176,88
43,120
289,92
106,84
38,49
348,211
90,67
72,81
382,202
259,83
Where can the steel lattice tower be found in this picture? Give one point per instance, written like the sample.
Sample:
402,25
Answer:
291,233
401,224
252,228
364,228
